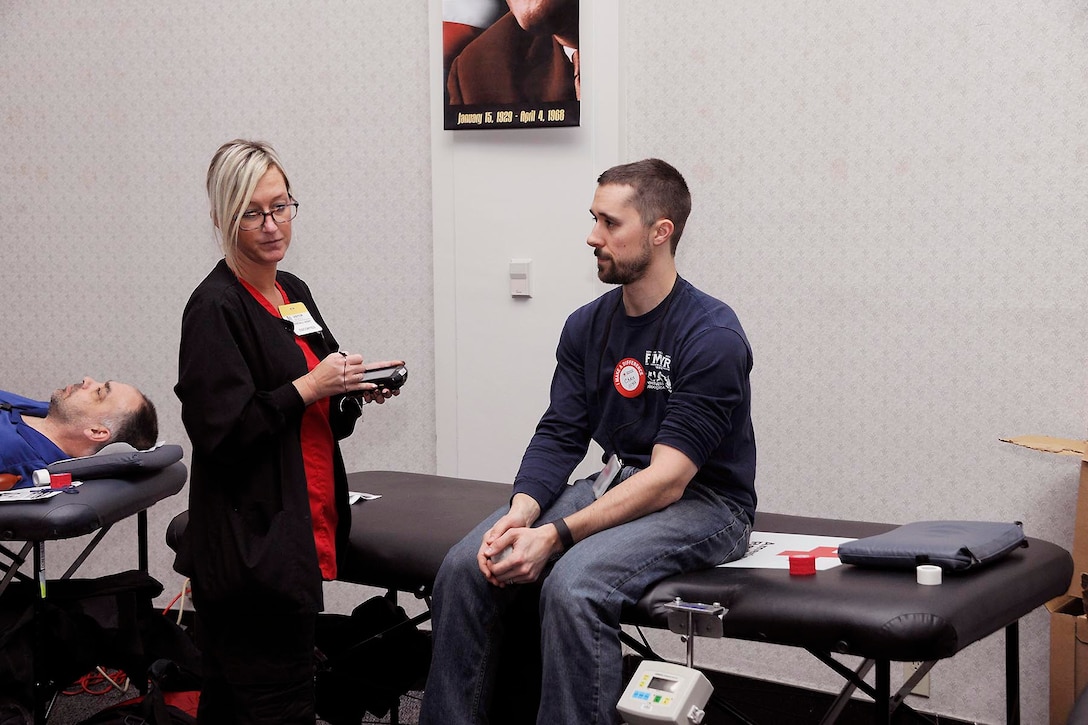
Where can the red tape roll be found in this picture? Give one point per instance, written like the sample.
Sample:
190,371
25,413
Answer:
802,565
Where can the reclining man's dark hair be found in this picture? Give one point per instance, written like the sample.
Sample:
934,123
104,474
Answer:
140,428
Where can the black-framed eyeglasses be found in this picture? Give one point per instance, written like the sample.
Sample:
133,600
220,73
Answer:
280,213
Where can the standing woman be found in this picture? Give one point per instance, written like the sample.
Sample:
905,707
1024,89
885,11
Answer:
262,386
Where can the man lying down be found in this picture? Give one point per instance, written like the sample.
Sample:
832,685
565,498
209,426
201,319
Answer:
79,420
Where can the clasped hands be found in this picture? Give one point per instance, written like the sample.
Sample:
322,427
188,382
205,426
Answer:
513,553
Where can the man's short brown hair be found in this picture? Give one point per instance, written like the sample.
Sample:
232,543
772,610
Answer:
660,192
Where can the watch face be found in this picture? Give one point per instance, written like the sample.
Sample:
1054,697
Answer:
629,377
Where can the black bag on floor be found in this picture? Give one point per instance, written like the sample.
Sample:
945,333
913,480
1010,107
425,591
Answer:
366,661
166,701
81,624
13,713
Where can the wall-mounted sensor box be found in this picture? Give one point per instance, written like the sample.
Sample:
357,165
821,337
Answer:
519,277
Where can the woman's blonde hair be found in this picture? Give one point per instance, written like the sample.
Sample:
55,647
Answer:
232,176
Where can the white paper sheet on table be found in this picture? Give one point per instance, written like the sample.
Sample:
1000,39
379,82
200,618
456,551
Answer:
770,550
38,493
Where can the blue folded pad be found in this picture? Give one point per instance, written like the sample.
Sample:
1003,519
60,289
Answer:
951,545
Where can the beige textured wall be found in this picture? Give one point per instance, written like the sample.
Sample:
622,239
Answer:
892,196
109,114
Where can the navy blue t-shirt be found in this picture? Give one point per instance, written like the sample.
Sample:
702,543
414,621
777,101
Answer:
23,450
678,375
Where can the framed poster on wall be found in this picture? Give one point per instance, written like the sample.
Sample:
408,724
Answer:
510,64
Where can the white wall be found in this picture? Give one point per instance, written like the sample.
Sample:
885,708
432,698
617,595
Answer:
514,194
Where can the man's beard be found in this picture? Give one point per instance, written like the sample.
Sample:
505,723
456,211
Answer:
626,272
59,410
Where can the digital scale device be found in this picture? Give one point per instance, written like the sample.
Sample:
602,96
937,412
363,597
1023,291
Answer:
664,692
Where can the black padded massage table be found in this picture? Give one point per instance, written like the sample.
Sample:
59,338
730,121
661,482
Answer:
94,506
399,540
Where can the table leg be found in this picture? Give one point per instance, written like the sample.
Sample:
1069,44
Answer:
1012,674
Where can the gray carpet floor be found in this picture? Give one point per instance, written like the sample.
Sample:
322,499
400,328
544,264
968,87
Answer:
73,709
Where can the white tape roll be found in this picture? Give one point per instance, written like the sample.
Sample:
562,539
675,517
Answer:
41,477
929,574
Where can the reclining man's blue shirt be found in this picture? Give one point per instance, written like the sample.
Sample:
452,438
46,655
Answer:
23,450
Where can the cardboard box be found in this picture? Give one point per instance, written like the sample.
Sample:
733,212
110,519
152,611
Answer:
1068,623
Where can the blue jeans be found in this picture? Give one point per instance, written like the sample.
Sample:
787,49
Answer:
581,601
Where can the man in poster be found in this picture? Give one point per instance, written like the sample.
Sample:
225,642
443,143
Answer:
527,59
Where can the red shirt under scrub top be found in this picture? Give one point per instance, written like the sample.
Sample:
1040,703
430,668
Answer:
317,454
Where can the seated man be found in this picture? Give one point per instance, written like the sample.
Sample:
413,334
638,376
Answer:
78,420
657,372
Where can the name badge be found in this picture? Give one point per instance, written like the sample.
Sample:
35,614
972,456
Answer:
297,314
606,476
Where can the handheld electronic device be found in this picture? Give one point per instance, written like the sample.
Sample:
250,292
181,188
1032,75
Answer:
389,378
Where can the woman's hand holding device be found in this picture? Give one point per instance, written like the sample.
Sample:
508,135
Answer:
382,381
